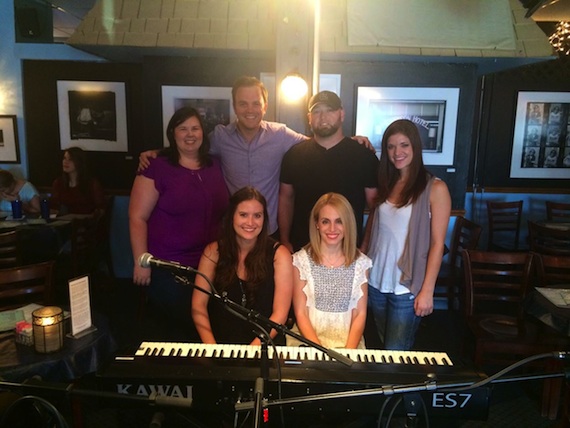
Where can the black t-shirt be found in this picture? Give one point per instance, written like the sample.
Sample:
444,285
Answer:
347,168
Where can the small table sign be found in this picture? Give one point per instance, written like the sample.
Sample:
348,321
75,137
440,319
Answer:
80,304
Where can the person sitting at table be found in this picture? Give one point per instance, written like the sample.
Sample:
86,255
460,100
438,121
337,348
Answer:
76,191
12,188
176,209
249,267
331,278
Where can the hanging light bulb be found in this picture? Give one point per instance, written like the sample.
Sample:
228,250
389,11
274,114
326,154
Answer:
294,87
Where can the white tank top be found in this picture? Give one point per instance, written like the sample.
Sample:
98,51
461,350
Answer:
389,238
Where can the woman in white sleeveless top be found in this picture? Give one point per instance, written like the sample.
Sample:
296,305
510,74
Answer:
406,236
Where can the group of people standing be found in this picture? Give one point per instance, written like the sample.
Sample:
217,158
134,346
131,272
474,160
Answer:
237,203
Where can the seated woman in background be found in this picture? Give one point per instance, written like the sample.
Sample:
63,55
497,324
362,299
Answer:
176,209
12,188
331,278
76,191
252,268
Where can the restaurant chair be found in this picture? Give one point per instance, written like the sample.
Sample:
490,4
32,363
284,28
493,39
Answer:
450,280
550,239
22,285
10,251
496,287
504,224
83,244
557,211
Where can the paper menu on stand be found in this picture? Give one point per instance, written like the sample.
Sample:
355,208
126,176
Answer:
80,307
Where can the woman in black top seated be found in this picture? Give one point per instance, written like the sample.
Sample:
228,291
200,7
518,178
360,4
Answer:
252,268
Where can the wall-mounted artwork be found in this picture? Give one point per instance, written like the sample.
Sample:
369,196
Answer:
433,110
92,115
541,141
9,147
213,103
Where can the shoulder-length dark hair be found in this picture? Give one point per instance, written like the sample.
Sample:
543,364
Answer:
258,259
388,175
181,115
79,158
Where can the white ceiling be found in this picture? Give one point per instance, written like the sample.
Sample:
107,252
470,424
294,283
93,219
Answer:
67,14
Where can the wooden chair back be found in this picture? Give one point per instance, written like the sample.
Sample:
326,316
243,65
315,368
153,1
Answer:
504,224
83,243
465,236
552,270
26,284
496,282
557,211
10,252
549,239
449,283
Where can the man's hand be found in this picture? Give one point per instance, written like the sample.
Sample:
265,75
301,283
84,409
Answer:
363,141
144,159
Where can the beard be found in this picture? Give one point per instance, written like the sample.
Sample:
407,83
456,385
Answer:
326,131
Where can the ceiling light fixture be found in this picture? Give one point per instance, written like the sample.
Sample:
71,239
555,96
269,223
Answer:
560,39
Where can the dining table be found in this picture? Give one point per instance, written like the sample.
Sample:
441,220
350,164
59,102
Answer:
40,239
551,305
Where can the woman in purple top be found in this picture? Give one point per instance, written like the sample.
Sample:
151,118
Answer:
176,209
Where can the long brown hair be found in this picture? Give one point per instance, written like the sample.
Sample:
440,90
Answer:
79,158
388,175
257,262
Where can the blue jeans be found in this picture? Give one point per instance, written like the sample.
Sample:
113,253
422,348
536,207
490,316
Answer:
394,317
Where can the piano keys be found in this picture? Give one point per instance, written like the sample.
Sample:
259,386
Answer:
215,377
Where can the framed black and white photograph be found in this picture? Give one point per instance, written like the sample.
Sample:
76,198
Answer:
92,115
9,146
433,110
541,138
213,103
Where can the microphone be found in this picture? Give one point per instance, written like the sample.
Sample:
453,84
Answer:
147,260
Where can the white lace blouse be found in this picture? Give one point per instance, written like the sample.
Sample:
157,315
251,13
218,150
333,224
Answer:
332,294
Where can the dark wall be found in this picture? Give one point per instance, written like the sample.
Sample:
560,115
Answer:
115,170
494,151
144,105
400,74
174,71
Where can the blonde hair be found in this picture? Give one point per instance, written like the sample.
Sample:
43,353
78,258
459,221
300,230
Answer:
346,214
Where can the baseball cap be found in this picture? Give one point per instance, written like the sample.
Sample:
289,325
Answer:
325,97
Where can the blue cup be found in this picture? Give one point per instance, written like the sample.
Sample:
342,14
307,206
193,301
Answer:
17,209
44,208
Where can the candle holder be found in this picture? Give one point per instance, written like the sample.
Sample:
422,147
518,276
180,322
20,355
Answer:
48,329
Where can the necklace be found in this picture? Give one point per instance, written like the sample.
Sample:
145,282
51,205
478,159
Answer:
332,264
243,296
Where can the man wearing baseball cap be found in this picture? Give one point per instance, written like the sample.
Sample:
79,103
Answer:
328,162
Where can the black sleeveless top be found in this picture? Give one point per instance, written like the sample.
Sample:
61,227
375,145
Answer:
227,327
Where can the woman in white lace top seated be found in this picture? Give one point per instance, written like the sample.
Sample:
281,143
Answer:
330,278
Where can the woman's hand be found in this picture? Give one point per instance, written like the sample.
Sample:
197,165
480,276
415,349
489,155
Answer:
423,303
141,275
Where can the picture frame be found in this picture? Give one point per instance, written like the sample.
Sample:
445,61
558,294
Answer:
433,110
541,136
214,104
92,115
9,144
